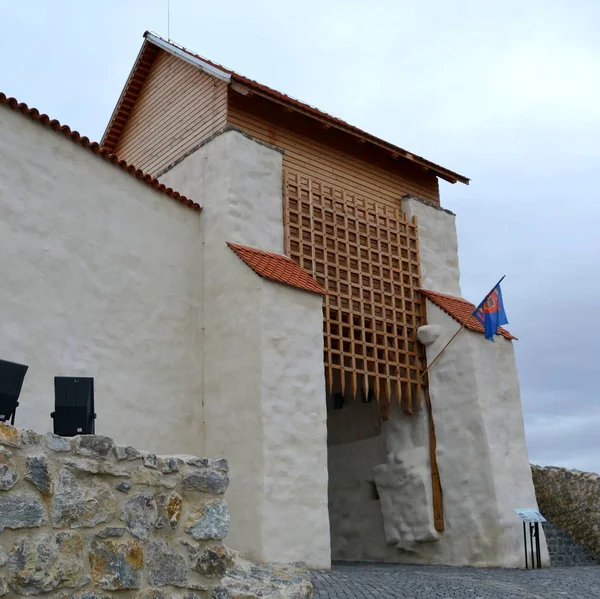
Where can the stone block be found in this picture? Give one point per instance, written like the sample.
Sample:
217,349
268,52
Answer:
8,472
9,435
140,514
19,510
46,563
94,446
169,510
165,566
219,464
209,521
123,486
207,481
168,465
36,472
110,531
126,452
81,503
150,461
58,444
116,565
30,438
213,561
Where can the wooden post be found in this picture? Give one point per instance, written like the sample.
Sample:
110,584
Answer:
436,483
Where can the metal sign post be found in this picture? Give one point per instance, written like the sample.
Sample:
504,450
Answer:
531,519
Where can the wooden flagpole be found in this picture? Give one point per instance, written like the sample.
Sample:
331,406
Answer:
461,329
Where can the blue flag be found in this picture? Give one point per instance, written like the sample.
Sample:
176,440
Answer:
490,312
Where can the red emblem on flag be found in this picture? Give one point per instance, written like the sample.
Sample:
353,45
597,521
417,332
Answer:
491,303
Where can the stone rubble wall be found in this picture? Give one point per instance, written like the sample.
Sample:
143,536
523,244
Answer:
83,518
564,550
570,499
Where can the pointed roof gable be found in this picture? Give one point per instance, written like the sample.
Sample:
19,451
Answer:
153,44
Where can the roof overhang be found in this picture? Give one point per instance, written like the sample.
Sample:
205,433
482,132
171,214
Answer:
243,85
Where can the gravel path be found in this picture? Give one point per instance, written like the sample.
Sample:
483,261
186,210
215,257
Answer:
399,581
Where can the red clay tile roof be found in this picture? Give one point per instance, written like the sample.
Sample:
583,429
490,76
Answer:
84,142
461,310
141,69
276,268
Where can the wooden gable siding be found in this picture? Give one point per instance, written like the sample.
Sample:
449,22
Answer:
178,107
330,156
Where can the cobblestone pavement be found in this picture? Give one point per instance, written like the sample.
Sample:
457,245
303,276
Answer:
399,581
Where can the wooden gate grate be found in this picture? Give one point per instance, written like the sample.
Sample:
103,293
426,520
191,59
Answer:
367,257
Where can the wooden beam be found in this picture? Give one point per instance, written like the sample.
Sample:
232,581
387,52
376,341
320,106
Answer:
436,483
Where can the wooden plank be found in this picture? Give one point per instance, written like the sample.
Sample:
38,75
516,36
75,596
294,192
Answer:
436,483
177,108
301,154
385,179
199,86
173,114
167,148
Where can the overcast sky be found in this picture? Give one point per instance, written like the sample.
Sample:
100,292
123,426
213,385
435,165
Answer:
507,94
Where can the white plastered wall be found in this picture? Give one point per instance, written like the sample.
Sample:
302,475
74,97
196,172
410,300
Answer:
482,453
481,450
98,277
438,245
263,393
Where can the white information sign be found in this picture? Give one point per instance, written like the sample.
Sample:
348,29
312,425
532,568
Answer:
530,515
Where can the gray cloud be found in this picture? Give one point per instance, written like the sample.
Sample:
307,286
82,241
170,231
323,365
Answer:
504,93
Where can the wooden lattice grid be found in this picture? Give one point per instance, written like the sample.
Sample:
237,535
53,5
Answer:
366,256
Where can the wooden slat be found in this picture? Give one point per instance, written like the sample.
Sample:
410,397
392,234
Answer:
315,158
197,102
178,106
182,78
364,254
315,152
181,136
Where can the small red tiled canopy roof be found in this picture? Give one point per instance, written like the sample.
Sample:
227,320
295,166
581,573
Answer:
276,268
35,115
461,310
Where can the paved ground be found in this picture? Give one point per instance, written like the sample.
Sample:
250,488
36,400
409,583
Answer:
391,581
